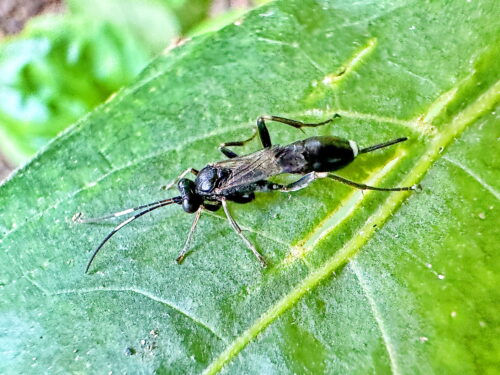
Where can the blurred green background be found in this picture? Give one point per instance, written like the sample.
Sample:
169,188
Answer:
59,59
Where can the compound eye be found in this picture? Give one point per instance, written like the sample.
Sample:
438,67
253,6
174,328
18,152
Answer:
190,205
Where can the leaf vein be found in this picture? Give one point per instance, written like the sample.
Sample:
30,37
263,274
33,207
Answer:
410,124
478,179
252,230
147,295
377,315
353,246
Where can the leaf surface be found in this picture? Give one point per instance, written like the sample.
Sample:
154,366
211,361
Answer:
358,283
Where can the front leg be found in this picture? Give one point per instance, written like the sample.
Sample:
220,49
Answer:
189,238
181,176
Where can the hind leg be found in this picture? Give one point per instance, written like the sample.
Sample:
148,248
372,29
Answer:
231,154
265,138
310,177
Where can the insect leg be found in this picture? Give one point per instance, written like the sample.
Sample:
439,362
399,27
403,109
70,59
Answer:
294,123
237,229
367,187
182,175
184,250
265,186
211,206
264,133
299,184
298,124
264,136
231,154
310,177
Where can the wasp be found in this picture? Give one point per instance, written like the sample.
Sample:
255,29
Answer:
238,178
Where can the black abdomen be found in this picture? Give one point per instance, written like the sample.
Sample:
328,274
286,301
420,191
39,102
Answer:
317,154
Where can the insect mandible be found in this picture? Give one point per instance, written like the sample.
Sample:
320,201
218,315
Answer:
238,178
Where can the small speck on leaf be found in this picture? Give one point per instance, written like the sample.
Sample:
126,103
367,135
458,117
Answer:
130,351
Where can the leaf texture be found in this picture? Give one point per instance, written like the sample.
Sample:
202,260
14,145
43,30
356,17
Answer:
359,282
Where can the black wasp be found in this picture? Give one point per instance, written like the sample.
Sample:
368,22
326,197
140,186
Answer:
238,178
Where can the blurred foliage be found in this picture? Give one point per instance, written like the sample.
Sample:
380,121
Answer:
62,66
216,22
189,13
59,69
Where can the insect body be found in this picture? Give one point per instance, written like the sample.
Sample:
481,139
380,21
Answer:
238,178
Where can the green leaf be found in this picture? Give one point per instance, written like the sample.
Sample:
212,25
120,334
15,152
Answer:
358,283
62,66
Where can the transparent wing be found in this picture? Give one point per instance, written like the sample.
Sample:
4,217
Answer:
250,168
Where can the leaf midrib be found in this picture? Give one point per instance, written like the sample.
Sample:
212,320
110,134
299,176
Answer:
451,130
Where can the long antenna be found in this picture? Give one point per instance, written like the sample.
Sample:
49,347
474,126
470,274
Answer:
78,217
382,145
163,203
